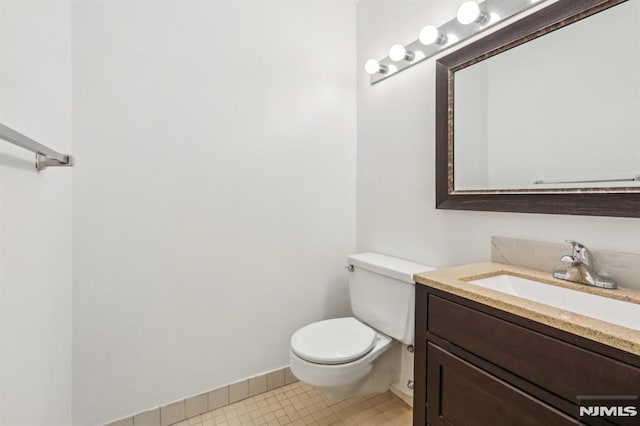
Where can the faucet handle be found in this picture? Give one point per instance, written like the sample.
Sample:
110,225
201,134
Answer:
575,245
579,252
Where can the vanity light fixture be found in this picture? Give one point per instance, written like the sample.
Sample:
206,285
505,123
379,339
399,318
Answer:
452,39
431,35
471,12
398,53
373,67
472,18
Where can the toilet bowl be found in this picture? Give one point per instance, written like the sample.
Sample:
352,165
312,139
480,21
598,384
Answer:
362,354
337,354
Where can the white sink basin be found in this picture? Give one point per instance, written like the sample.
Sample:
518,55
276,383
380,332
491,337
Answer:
614,311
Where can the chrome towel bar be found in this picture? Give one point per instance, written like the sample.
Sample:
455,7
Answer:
45,156
622,179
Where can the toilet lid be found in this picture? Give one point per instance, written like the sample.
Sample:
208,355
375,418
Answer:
334,341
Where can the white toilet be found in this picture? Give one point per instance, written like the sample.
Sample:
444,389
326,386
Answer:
368,353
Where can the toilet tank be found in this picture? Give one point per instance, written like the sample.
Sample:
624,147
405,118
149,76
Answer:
383,294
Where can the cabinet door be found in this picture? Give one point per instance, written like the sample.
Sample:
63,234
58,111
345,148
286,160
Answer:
460,394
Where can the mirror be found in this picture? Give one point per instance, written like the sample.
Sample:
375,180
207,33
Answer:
544,114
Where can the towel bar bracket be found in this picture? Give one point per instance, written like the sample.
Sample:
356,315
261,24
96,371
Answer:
42,162
45,156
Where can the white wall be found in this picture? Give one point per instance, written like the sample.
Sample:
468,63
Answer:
35,216
214,196
396,148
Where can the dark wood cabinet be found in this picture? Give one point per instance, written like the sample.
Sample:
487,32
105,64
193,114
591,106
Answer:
476,365
463,394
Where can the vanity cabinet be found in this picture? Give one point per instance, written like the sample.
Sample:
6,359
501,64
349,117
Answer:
477,365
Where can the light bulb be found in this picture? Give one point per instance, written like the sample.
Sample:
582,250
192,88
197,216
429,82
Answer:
430,35
470,12
398,53
372,67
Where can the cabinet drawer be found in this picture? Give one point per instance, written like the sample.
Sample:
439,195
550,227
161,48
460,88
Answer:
458,393
559,367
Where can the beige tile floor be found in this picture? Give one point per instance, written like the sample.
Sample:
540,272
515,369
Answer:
299,404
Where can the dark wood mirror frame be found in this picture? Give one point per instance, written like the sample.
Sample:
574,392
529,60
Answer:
621,202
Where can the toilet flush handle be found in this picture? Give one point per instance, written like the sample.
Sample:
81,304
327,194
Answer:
349,268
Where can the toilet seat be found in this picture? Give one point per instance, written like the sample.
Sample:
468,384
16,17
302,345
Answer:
334,341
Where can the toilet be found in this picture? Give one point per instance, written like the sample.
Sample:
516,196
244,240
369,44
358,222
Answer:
370,352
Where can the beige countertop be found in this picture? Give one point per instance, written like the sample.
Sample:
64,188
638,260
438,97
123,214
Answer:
454,281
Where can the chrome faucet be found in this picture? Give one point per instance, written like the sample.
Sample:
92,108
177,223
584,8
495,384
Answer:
580,269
